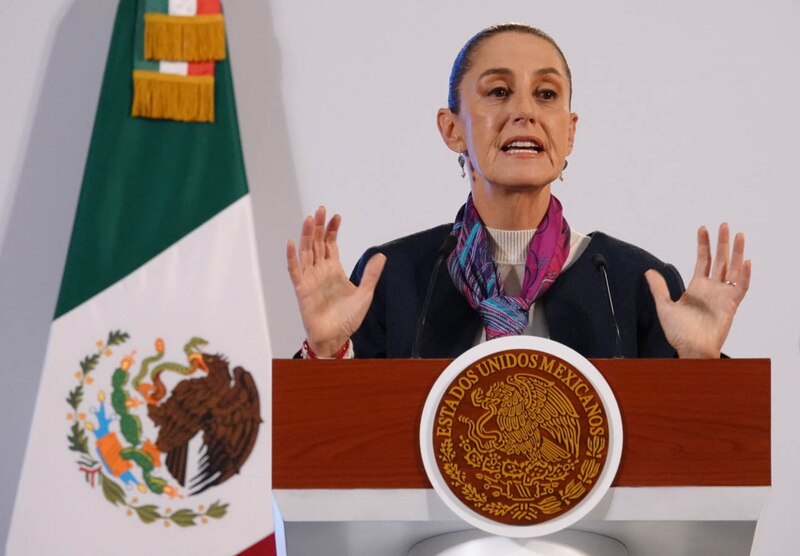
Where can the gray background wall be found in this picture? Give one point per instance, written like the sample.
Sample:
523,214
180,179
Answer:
689,115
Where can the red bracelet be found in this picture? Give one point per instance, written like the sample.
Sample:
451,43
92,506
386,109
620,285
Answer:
338,355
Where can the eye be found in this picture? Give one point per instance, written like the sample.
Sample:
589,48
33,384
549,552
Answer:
499,92
546,94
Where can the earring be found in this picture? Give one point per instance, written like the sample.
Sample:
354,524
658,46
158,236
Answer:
462,162
561,175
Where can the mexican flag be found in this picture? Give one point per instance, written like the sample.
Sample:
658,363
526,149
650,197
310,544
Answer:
152,425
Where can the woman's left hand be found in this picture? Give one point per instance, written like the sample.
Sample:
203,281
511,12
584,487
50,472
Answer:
697,324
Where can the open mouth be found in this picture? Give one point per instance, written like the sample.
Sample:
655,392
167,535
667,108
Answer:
518,146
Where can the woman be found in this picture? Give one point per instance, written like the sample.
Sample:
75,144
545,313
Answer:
513,265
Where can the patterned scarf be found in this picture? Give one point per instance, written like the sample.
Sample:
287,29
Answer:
474,271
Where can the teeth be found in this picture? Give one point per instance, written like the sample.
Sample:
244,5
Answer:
522,146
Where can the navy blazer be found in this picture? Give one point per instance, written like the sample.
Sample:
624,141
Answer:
576,304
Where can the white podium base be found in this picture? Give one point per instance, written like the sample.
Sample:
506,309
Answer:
649,521
478,543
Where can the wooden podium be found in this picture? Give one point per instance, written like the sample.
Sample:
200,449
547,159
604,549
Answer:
348,478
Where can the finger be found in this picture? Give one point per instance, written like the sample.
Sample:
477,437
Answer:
331,233
372,273
703,264
295,273
319,234
744,282
306,239
659,289
719,269
737,258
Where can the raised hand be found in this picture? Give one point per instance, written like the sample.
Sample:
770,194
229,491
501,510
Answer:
697,324
332,308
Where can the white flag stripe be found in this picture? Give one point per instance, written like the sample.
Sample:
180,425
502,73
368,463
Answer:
205,285
182,7
175,68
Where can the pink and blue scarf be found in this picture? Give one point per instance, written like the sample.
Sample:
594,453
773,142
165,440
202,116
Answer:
474,271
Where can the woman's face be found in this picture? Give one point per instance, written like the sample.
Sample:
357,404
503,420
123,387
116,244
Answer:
514,121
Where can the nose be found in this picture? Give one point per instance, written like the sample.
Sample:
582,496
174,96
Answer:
524,110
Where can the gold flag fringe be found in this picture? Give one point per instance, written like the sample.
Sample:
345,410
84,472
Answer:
173,97
198,38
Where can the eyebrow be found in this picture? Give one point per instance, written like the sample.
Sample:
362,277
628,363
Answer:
507,71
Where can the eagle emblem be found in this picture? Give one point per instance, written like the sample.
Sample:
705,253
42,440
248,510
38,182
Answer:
520,438
526,415
162,431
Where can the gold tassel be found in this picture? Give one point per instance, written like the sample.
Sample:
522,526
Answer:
166,96
198,38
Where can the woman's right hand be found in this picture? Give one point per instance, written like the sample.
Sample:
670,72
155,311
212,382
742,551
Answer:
331,306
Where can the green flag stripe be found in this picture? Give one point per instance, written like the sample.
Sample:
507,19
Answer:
147,183
146,65
155,6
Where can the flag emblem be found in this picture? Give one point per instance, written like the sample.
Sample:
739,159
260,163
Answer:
154,434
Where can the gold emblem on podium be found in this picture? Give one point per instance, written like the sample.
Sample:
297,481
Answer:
520,436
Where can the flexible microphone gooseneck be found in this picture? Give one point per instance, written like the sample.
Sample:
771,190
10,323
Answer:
600,263
445,249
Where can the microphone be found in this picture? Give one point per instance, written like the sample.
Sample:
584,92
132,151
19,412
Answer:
601,264
445,249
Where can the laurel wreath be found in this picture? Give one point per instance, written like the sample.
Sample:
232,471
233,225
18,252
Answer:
459,478
91,468
524,510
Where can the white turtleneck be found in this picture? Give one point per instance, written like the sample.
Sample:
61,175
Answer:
509,249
